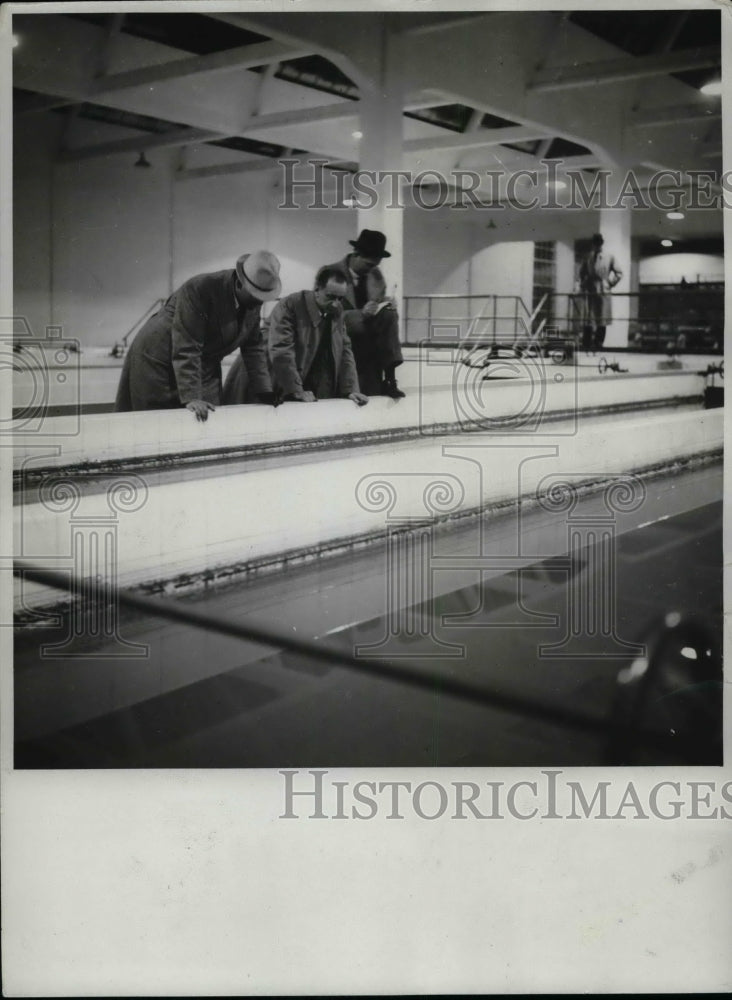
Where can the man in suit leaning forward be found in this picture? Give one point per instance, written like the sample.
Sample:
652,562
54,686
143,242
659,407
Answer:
309,349
175,359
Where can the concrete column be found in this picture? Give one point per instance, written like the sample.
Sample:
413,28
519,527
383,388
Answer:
634,278
565,282
380,150
615,226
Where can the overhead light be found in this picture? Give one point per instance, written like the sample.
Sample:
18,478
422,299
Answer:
675,215
712,89
357,134
142,161
667,243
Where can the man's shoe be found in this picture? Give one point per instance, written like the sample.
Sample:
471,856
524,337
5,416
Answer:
390,388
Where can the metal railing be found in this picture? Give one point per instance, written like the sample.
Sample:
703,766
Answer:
471,319
676,320
118,351
665,320
422,678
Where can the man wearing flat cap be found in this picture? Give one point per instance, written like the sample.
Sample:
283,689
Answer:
175,359
372,321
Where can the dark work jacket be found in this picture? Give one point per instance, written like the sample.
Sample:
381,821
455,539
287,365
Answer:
176,356
295,329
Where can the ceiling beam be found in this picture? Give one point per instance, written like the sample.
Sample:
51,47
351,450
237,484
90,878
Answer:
264,80
426,99
302,116
137,144
441,22
471,96
663,42
582,161
307,116
473,126
475,140
674,27
191,136
100,66
272,25
221,169
104,54
243,57
250,166
558,26
38,103
626,68
675,115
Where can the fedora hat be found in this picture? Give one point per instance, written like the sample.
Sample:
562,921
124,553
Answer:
259,274
370,243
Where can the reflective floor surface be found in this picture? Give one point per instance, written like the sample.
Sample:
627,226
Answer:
557,605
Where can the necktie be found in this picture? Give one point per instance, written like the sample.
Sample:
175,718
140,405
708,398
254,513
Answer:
326,330
359,291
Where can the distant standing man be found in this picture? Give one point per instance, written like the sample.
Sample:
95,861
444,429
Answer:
175,359
372,321
599,273
309,349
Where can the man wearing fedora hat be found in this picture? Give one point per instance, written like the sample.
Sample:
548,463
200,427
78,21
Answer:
175,359
599,273
372,321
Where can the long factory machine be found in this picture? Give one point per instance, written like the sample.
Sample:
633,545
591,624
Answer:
257,486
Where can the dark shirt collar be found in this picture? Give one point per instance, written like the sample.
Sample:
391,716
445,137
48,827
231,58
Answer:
315,312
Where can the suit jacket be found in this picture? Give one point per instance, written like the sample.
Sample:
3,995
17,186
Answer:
599,272
176,356
295,330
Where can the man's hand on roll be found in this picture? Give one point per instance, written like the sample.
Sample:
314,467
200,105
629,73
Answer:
201,408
